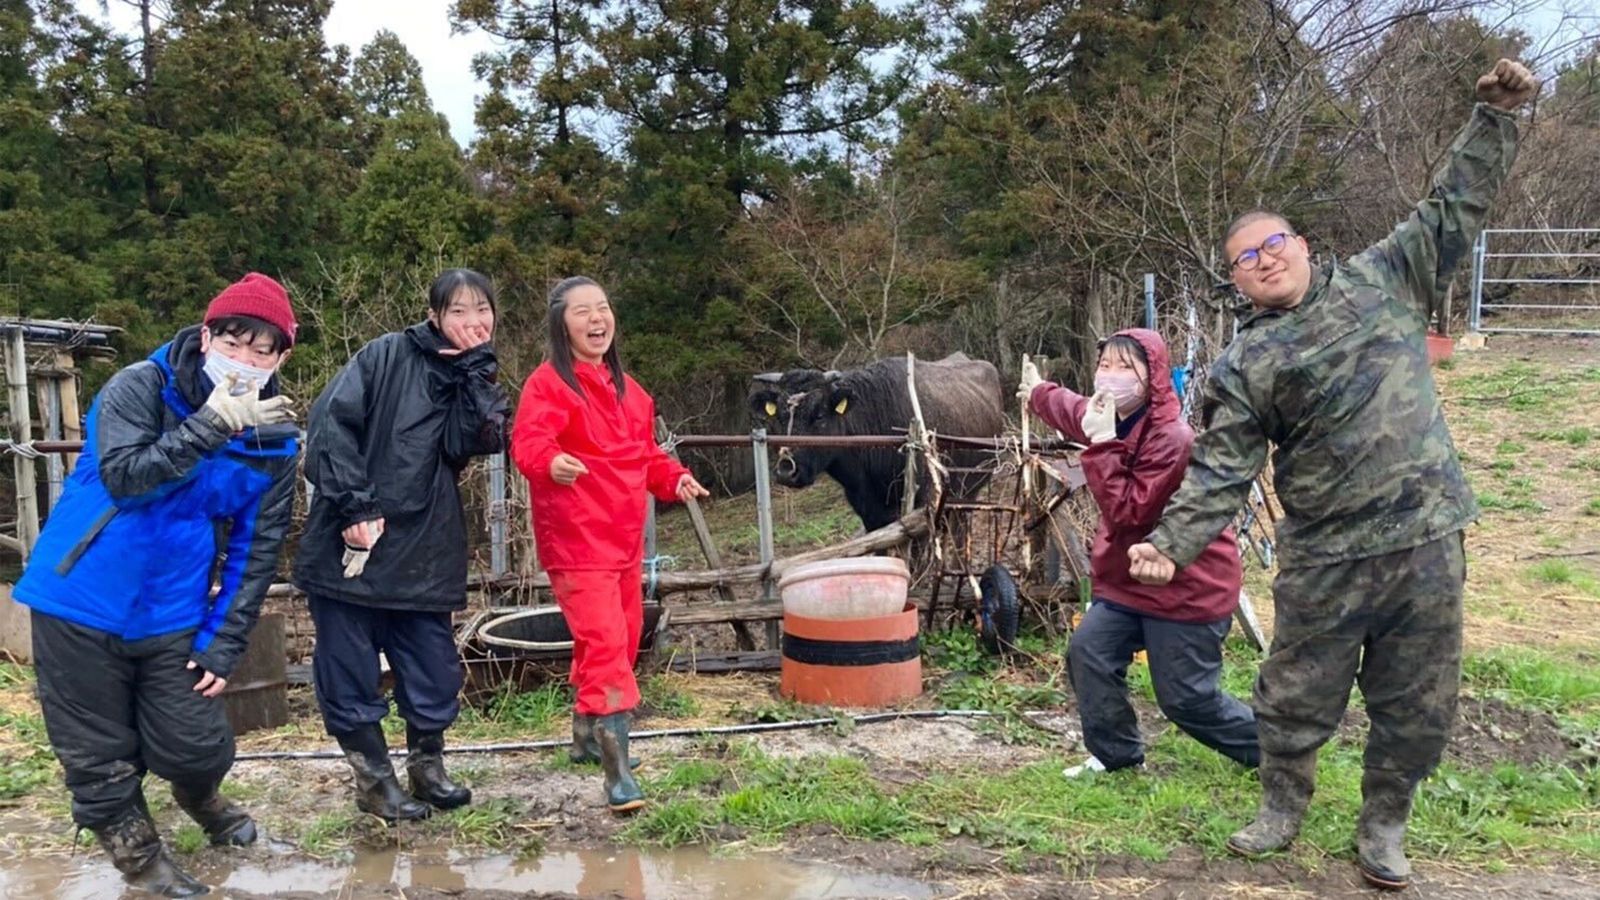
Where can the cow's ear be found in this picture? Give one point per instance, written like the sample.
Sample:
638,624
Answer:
765,403
841,398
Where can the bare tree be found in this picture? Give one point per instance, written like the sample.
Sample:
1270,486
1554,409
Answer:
839,273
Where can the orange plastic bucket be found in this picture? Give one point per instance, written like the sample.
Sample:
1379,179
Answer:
852,662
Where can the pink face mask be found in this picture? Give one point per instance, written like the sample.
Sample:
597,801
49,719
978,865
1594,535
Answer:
1124,386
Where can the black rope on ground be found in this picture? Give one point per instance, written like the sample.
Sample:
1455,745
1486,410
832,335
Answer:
755,728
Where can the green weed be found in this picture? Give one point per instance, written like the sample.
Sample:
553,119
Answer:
34,764
673,823
328,833
665,696
1565,572
1576,437
188,839
958,650
1491,501
533,710
1532,680
489,823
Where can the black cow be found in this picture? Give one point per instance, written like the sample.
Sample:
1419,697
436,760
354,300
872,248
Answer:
959,396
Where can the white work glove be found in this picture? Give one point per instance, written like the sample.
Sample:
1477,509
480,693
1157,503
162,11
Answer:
355,558
1100,418
1030,380
247,409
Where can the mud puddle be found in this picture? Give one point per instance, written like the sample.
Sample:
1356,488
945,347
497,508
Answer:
682,873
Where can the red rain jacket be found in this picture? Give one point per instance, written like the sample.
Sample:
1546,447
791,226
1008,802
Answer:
1131,479
598,521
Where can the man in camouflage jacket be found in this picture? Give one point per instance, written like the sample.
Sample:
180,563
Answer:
1331,369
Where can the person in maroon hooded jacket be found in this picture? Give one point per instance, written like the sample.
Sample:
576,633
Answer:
1137,449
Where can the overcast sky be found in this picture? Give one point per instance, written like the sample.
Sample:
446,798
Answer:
423,26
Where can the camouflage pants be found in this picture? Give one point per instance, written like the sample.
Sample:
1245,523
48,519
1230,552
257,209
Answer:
1391,624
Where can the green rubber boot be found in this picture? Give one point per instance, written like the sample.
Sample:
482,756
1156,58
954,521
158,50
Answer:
622,792
585,749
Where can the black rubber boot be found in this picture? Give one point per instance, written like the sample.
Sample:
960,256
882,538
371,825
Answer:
136,850
585,749
1287,783
425,771
1381,829
622,792
378,792
225,823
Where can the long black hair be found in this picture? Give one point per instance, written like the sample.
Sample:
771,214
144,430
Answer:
558,347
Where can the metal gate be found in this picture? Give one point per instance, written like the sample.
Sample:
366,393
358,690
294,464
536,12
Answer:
1570,304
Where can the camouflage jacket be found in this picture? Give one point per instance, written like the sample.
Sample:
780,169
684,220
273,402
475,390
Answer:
1341,389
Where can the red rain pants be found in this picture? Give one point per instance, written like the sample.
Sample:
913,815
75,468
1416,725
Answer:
605,613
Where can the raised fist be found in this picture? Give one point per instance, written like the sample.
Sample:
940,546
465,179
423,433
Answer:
1508,85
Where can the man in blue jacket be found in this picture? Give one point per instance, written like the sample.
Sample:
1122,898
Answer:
150,572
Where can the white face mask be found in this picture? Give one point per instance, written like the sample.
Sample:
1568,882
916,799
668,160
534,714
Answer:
219,367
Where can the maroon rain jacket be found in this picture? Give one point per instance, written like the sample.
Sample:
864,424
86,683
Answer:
1131,479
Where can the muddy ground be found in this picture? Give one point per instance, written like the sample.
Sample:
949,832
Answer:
559,815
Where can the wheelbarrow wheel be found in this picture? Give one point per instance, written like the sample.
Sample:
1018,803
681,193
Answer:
999,608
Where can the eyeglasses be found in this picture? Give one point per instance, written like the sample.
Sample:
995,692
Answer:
1273,246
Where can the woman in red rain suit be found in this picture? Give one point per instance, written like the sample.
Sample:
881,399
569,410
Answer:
584,438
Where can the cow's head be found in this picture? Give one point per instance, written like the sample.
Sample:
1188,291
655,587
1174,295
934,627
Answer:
774,395
826,409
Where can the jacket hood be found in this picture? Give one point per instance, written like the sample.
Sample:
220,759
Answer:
1163,405
182,361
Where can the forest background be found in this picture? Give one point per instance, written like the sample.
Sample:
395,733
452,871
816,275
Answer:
759,183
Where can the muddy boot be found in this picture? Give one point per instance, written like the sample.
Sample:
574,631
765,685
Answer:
1381,829
622,792
1286,786
378,792
425,771
585,749
135,849
225,823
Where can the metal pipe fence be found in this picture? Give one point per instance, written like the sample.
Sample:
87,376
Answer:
1543,312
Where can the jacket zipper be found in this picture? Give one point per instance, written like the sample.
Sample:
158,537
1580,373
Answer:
98,525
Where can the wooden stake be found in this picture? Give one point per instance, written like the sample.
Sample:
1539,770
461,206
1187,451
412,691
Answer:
71,411
1027,478
916,438
702,536
22,432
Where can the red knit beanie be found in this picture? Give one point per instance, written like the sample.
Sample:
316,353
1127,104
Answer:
258,297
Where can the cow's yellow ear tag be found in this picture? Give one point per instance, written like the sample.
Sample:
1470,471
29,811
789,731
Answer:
843,404
772,408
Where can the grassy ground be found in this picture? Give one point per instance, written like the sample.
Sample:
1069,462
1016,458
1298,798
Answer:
1520,786
1489,815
